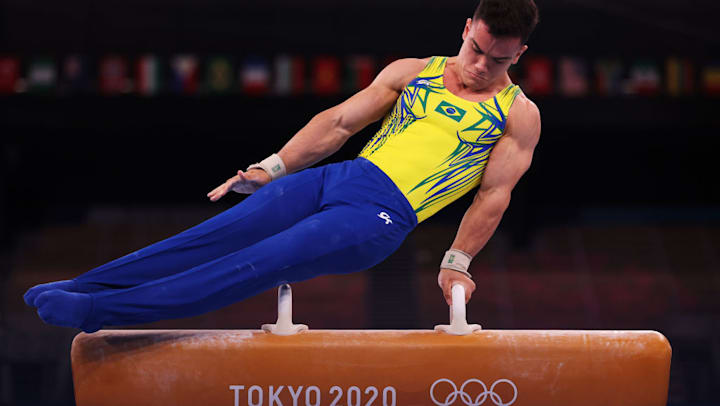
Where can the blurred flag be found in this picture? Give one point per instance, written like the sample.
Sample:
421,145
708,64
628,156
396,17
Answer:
644,78
360,73
680,76
74,77
538,76
326,75
184,74
255,76
9,74
298,75
608,77
711,80
41,75
219,75
113,75
282,84
573,77
148,77
289,75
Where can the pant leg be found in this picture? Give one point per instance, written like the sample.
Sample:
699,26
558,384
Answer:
338,239
273,208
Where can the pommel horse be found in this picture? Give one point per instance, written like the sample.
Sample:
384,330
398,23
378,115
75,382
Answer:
289,364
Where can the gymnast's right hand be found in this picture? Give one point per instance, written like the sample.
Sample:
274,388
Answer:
244,182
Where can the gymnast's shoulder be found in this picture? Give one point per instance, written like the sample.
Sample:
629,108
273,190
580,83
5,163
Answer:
524,118
400,72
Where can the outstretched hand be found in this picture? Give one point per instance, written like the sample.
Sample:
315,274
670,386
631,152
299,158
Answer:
447,278
244,182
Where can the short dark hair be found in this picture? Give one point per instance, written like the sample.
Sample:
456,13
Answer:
508,18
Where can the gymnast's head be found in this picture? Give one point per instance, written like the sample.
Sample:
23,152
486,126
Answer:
495,38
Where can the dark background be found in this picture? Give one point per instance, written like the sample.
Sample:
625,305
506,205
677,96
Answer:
615,226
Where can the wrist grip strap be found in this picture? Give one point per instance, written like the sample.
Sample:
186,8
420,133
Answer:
457,261
273,165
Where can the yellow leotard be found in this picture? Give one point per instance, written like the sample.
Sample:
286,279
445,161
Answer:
435,145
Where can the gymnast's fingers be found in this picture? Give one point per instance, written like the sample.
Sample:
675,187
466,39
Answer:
212,192
216,190
469,291
466,283
219,192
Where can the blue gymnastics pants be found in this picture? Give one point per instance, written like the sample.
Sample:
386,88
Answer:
337,218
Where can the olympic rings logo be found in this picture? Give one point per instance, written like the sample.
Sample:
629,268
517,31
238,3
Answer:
479,399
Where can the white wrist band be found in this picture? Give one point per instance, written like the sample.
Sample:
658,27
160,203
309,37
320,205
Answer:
457,261
273,165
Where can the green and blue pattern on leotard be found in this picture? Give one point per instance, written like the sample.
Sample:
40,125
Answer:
435,145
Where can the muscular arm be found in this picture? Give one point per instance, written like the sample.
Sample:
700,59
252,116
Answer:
509,160
330,129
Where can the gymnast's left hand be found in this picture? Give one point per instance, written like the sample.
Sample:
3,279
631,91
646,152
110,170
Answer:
447,278
244,182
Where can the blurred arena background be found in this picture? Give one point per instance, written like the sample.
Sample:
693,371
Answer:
117,117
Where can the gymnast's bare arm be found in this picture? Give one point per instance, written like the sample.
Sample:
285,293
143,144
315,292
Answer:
330,129
509,160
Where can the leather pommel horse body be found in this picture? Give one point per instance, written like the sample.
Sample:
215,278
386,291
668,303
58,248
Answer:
370,367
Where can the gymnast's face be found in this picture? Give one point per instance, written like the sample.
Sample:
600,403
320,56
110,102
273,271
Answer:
483,58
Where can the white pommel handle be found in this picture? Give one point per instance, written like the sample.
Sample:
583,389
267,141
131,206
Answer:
284,325
458,323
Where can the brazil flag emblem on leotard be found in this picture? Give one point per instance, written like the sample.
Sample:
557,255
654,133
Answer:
448,110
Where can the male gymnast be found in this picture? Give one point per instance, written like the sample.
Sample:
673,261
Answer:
443,116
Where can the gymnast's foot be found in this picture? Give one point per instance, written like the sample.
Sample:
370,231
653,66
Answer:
65,309
32,293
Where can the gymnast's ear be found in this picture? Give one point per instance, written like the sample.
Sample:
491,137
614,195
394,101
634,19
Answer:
466,30
519,54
